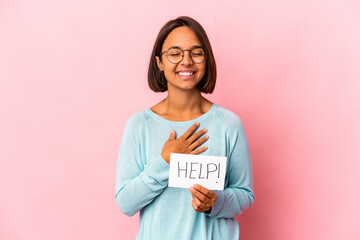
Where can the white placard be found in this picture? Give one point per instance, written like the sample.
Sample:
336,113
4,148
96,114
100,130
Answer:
187,170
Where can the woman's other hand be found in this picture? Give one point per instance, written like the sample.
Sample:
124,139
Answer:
203,198
185,144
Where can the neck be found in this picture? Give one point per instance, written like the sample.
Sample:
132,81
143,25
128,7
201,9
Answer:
184,101
182,105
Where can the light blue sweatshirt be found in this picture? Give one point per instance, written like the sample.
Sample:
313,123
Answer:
166,213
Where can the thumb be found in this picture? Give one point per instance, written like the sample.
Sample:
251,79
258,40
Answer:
172,135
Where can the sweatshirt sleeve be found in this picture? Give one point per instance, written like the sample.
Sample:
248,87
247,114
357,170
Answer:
137,185
238,194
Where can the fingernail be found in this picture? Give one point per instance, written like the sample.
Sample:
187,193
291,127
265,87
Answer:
197,124
206,136
205,130
206,147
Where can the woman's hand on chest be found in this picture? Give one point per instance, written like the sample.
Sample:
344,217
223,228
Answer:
186,143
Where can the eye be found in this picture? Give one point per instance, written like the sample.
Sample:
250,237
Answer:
197,52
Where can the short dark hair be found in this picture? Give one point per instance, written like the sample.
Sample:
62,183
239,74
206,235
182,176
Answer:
156,78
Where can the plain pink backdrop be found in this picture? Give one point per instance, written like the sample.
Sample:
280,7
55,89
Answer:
72,72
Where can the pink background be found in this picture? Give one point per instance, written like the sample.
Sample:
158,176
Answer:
72,72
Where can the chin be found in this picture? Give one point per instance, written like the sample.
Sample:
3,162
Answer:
188,86
182,87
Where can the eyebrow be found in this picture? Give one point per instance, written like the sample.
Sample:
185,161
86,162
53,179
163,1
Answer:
193,47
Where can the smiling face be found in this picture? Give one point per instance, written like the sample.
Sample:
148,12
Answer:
185,74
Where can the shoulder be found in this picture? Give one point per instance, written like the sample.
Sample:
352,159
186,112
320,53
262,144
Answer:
138,118
228,118
134,124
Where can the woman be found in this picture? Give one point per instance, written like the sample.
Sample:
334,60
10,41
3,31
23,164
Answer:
182,64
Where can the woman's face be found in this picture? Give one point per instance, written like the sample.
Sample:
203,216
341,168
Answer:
177,75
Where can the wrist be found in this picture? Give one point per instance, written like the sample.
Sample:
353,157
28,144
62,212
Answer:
208,211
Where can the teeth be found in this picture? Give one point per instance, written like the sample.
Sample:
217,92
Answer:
186,73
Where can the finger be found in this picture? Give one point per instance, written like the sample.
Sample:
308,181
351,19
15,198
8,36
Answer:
196,207
208,193
192,190
190,131
196,135
199,150
172,135
198,142
201,205
201,197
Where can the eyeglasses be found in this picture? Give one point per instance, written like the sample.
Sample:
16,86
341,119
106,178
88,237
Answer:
176,55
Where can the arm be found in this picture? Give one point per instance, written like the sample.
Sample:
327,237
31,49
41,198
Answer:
238,194
137,185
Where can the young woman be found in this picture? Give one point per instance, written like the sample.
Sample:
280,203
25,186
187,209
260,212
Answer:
182,63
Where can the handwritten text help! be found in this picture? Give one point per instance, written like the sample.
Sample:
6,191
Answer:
187,170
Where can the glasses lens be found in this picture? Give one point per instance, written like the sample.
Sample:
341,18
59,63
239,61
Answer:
174,55
198,55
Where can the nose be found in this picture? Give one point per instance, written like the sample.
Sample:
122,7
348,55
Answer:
187,58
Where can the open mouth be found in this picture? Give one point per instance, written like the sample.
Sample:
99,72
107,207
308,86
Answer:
186,73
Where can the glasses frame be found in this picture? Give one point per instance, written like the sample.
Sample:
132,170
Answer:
183,54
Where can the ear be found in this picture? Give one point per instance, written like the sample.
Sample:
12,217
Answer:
159,63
